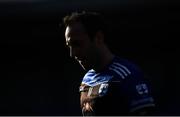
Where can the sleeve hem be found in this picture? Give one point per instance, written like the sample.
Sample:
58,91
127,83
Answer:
142,106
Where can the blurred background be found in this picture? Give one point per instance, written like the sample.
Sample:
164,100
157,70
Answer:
37,77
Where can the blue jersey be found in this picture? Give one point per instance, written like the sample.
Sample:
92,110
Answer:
120,89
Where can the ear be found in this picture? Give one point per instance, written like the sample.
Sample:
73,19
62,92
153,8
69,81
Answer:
99,37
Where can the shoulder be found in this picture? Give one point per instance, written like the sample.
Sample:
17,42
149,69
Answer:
123,68
133,84
131,77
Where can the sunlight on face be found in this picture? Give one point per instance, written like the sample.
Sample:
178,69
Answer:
80,45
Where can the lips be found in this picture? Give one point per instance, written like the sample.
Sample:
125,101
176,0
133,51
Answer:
79,59
82,61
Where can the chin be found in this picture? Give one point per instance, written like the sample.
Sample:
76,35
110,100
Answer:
85,67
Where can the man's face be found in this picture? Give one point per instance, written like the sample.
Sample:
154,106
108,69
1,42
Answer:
81,47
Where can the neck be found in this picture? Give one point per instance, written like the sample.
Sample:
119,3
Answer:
105,59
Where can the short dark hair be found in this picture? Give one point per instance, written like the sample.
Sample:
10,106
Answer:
92,22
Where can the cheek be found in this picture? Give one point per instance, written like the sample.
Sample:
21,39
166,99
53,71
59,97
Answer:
88,50
91,53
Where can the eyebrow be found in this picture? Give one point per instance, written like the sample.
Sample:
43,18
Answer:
68,42
73,42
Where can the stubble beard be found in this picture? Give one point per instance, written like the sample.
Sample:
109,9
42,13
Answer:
85,65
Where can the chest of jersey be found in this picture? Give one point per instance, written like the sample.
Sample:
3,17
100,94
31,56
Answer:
89,96
103,99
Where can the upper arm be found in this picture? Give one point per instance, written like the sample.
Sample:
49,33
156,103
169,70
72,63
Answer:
140,99
144,111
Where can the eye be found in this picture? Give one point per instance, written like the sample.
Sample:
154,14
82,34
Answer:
75,44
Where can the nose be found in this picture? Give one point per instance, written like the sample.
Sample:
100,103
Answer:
73,52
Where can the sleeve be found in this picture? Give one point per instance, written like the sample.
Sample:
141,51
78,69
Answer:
138,93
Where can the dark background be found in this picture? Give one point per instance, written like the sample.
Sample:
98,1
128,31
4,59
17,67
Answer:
37,77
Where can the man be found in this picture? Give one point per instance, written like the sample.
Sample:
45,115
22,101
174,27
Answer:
112,85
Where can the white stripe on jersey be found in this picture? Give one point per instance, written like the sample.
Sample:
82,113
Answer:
122,66
120,69
116,72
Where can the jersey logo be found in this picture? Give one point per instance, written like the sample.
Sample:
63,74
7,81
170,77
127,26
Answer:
103,89
142,89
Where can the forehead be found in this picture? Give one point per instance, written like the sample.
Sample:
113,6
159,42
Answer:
74,29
